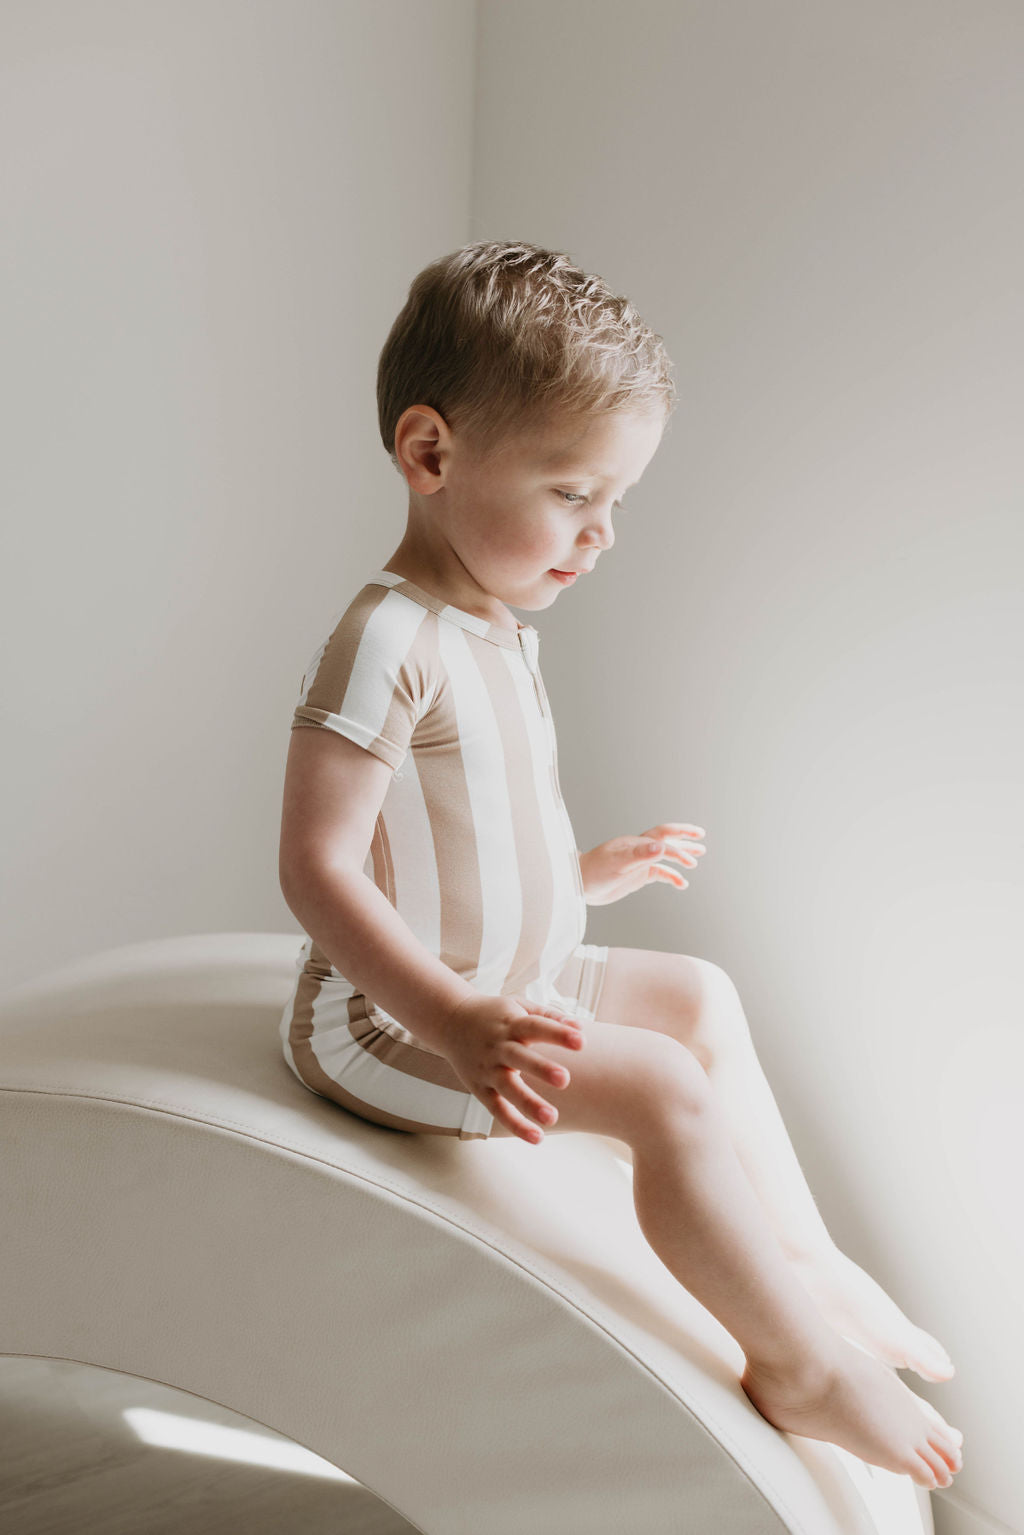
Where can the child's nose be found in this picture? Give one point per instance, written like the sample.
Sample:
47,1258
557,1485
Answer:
600,534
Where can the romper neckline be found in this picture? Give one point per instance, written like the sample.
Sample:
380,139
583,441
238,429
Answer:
495,633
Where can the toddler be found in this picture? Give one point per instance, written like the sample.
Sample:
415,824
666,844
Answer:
444,986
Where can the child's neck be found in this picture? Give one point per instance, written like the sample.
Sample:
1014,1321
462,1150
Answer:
405,563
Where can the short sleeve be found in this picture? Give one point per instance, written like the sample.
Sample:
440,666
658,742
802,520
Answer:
374,677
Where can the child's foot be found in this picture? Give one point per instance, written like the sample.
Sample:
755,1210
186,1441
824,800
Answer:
859,1309
860,1404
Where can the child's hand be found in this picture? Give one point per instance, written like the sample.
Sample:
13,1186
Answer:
487,1046
617,868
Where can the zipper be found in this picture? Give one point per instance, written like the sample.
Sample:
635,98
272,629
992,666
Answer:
524,651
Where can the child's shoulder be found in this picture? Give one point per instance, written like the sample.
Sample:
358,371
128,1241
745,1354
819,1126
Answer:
375,672
381,639
381,610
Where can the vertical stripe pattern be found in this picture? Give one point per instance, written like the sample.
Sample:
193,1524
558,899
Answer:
473,844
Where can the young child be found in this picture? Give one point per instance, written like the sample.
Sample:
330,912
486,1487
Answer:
444,986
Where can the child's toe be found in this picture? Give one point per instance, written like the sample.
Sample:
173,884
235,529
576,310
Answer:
927,1356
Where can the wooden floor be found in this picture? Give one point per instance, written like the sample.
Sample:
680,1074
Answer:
71,1463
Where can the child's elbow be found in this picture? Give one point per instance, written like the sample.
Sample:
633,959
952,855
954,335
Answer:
293,879
308,878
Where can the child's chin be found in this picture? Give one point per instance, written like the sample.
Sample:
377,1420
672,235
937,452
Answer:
533,603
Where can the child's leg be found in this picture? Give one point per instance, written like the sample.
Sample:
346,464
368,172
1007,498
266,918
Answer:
849,1298
697,1003
700,1215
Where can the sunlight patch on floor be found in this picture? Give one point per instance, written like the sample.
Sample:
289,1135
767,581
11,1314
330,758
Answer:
197,1437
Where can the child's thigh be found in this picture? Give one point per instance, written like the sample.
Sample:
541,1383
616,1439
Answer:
650,989
626,1083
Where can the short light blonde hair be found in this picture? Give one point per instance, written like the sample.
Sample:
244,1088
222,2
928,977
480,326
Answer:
500,337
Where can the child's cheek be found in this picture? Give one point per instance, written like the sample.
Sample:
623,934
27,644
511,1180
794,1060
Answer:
540,542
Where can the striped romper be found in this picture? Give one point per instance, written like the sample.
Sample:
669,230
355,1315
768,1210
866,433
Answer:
473,845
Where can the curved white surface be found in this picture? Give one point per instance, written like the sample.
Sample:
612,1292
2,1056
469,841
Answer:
477,1331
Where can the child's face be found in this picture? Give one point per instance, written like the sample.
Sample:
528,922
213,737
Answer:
543,503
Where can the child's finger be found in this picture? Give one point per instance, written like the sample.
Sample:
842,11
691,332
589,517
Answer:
559,1027
659,871
570,1035
534,1105
523,1059
518,1095
646,849
686,852
515,1122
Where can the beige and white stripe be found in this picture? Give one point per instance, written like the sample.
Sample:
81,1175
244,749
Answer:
342,1048
473,844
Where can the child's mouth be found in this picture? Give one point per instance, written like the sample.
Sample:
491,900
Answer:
567,577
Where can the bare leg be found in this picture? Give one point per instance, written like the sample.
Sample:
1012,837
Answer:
846,1295
700,1215
696,1003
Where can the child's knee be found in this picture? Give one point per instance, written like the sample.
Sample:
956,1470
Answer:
629,1083
672,1079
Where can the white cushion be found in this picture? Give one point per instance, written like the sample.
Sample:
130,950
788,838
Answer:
477,1331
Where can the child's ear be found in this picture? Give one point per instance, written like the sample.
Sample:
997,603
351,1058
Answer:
423,448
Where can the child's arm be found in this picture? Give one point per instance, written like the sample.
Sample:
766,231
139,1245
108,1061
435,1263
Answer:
333,792
332,796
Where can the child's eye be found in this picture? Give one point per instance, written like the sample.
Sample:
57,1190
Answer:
574,498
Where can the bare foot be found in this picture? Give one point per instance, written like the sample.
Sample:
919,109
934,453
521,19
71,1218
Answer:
860,1310
859,1403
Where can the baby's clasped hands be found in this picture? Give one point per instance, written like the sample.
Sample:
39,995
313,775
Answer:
487,1047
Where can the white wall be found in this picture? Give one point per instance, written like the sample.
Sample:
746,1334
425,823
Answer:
808,637
212,212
